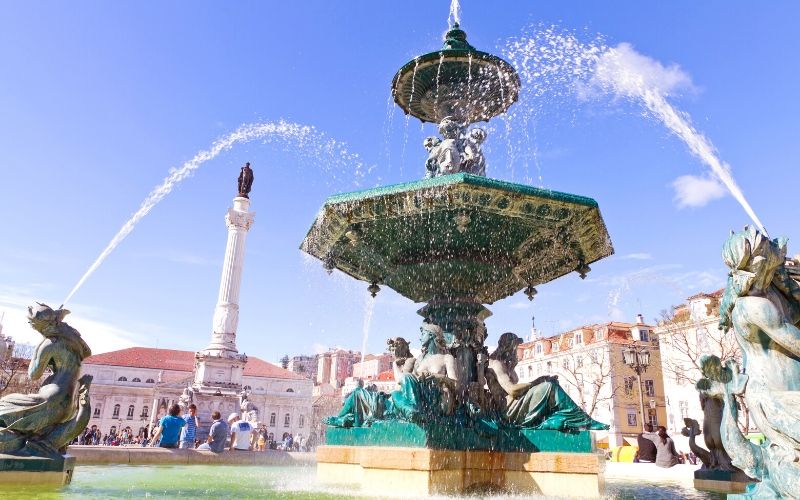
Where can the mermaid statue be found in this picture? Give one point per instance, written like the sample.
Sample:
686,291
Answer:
761,304
42,424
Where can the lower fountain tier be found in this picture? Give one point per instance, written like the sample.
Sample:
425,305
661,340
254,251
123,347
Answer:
415,472
395,433
458,236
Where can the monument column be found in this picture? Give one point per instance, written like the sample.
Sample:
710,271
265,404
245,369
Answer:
219,367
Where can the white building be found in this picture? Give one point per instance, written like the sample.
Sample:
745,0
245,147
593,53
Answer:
686,333
130,383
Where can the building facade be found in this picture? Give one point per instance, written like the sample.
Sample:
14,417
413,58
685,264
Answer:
590,365
686,333
334,366
304,365
133,387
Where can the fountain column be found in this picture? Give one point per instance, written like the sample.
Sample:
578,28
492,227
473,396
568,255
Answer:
220,366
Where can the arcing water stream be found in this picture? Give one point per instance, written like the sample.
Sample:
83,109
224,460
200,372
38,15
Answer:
554,64
306,139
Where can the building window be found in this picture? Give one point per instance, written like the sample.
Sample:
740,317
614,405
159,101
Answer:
289,390
530,371
579,338
96,412
538,368
579,362
629,381
644,335
302,421
287,420
571,343
122,379
145,412
555,347
549,367
538,348
652,418
272,420
150,381
649,388
527,354
137,379
130,412
116,412
565,363
684,408
631,419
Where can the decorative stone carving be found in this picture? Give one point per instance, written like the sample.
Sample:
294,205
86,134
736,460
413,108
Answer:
458,151
761,304
42,424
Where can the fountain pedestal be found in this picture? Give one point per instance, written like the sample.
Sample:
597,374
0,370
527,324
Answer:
424,471
36,470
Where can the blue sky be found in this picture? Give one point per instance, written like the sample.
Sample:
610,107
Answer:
99,100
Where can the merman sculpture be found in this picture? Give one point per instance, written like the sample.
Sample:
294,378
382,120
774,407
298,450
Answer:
42,424
761,304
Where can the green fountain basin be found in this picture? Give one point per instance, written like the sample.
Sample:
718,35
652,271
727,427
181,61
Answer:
458,235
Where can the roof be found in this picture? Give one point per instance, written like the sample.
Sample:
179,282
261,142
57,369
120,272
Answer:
387,375
172,359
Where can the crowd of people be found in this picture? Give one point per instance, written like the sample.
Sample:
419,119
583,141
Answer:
175,430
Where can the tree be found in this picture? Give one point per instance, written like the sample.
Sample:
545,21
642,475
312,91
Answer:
285,361
589,372
14,370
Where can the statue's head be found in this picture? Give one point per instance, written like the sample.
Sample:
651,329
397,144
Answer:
432,338
431,142
450,128
508,342
42,315
752,258
478,135
399,347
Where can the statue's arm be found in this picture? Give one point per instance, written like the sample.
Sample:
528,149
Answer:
453,372
38,362
505,380
762,313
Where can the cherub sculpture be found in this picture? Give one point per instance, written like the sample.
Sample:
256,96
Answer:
42,424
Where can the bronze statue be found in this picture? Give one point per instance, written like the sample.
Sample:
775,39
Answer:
245,180
42,424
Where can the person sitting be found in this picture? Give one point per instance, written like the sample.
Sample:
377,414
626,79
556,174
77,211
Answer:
217,435
647,449
169,429
666,456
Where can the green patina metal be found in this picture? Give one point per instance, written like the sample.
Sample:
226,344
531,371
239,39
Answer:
404,434
458,236
457,80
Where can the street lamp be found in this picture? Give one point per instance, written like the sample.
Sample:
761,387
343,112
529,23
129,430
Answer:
638,358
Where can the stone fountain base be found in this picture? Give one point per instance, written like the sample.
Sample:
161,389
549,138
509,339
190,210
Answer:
423,471
36,470
720,481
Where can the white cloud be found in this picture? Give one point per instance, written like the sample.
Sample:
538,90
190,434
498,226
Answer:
626,72
520,305
693,191
637,256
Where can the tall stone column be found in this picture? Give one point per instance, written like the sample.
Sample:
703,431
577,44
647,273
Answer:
226,313
219,367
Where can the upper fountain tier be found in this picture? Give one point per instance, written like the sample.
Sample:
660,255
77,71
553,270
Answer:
457,81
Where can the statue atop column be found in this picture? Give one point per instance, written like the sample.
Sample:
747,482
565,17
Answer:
245,180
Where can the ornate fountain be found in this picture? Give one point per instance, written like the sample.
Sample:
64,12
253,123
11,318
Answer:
457,240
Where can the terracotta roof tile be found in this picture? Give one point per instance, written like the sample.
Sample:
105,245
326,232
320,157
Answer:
171,359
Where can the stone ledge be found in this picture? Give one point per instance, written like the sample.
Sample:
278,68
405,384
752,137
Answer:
374,457
36,470
101,455
421,471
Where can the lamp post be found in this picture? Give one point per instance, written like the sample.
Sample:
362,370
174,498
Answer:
638,358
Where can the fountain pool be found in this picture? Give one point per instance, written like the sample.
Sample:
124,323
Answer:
297,482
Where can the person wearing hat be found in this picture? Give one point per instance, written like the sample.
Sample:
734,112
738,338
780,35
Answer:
240,433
